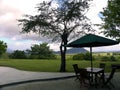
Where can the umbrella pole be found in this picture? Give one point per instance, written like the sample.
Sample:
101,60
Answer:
91,58
91,62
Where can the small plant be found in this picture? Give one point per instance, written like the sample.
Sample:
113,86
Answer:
112,58
105,58
87,56
82,56
78,56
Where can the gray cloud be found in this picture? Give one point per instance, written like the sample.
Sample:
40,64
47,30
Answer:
9,25
9,29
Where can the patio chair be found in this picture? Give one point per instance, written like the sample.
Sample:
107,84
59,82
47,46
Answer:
101,65
109,78
85,78
77,72
82,75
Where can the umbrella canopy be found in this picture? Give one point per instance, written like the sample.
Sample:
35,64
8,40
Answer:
91,40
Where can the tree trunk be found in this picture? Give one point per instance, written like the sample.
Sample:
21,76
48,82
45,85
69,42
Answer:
63,58
63,51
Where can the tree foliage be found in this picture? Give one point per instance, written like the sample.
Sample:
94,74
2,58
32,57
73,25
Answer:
41,51
111,19
18,54
3,47
60,20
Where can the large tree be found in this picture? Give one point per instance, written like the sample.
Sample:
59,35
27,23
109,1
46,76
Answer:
41,51
111,19
60,20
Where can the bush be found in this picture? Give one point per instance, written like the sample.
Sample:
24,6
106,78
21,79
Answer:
49,56
105,58
5,56
87,56
112,58
78,56
18,54
81,56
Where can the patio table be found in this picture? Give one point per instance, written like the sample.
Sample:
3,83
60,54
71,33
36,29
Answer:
117,66
95,72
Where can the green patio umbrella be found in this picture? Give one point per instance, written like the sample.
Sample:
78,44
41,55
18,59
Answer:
91,40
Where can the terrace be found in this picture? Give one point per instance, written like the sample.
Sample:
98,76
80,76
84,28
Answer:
13,79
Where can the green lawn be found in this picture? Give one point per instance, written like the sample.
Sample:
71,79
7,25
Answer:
49,65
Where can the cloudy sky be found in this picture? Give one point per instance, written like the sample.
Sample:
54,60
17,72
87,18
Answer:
11,10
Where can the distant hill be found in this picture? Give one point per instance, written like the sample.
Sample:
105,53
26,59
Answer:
9,50
69,51
73,51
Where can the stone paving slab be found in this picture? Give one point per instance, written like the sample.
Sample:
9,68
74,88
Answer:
11,75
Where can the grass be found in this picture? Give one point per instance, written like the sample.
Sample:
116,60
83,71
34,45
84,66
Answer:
49,65
32,65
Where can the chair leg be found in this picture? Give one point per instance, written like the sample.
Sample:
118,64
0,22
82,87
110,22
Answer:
112,84
84,83
106,84
76,79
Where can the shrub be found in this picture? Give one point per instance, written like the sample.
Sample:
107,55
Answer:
82,56
87,56
108,58
18,54
112,58
105,58
78,56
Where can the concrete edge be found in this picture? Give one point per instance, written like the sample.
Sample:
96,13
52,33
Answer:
36,80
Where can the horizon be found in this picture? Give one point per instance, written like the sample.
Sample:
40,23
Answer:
88,49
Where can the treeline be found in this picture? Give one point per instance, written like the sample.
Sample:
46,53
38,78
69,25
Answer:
37,51
43,51
97,56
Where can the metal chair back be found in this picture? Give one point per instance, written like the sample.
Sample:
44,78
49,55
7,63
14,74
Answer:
76,70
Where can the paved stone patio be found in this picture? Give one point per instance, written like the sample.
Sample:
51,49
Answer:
13,79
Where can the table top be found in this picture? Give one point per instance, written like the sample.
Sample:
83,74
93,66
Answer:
117,66
94,70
